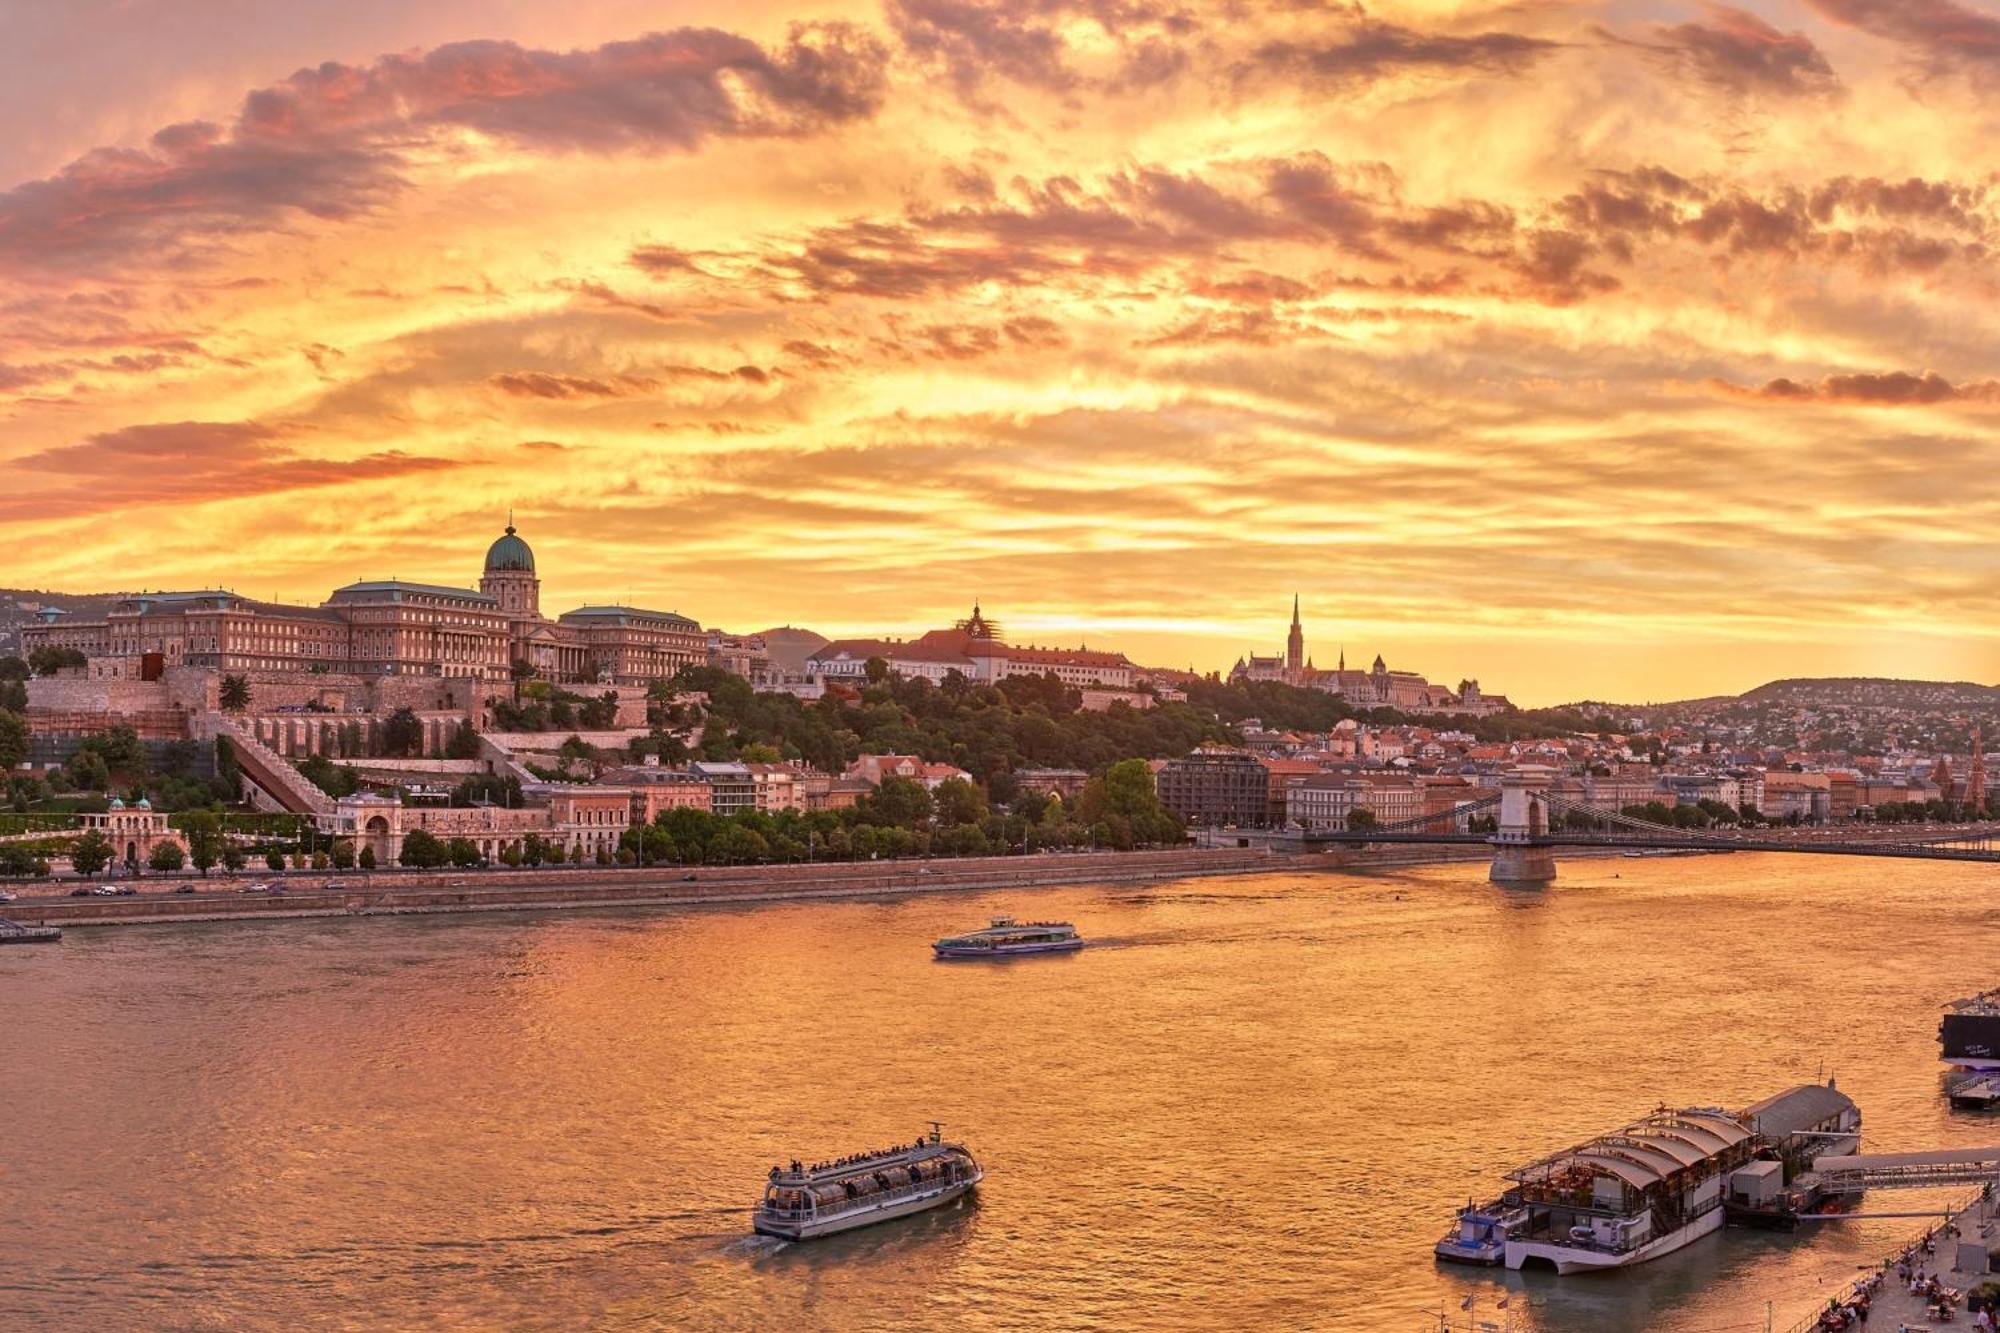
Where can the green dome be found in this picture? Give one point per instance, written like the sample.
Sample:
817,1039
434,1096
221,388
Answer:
510,552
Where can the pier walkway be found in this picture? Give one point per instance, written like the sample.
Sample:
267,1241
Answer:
1907,1170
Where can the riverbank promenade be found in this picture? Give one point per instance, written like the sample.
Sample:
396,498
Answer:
403,892
1926,1285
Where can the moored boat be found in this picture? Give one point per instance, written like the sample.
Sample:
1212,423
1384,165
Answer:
1969,1033
1657,1184
804,1202
1008,938
13,932
1481,1234
1981,1092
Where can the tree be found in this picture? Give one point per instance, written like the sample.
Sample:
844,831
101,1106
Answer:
422,849
1360,819
403,734
232,857
367,858
87,771
343,854
335,780
510,855
464,742
235,693
600,713
901,802
48,661
736,843
876,669
13,739
464,852
274,859
91,853
167,857
958,802
203,831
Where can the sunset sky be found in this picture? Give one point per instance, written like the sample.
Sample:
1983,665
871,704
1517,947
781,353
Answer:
1614,350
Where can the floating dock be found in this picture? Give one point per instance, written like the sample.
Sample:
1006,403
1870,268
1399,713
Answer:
13,932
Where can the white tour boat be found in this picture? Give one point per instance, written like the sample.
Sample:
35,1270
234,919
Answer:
1008,938
804,1202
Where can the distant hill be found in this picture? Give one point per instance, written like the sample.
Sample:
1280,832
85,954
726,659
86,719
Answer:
790,646
19,605
1874,692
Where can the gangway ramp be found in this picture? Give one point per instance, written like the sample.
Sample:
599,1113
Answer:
1907,1170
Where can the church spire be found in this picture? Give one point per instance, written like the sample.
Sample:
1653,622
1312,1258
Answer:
1295,645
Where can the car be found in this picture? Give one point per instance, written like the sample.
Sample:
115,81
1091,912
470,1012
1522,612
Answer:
125,891
6,896
183,888
104,891
79,893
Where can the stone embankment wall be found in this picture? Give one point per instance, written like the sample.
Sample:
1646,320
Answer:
359,894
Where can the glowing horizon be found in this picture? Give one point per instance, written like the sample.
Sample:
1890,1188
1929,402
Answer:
1595,350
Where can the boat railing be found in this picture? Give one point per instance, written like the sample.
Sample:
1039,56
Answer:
845,1205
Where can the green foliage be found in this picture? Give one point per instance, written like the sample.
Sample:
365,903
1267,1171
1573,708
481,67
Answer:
167,857
18,861
335,780
959,802
511,854
601,713
367,858
489,788
87,770
343,854
226,772
423,850
91,854
736,843
13,668
203,831
235,693
274,859
1026,722
48,661
464,742
899,801
403,734
13,739
232,857
463,852
120,751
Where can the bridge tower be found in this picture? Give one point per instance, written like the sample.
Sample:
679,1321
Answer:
1524,815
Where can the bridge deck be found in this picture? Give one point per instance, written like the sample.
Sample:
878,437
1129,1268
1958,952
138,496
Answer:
1810,847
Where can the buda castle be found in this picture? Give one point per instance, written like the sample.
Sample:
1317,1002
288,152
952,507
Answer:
385,628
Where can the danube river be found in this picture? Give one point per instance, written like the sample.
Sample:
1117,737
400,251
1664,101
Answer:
1253,1102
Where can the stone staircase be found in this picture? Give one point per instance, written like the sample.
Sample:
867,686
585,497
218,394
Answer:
269,772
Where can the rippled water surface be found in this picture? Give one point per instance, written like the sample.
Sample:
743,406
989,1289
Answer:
1253,1102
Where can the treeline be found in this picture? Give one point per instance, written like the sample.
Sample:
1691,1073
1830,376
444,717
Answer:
1282,707
900,818
990,731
